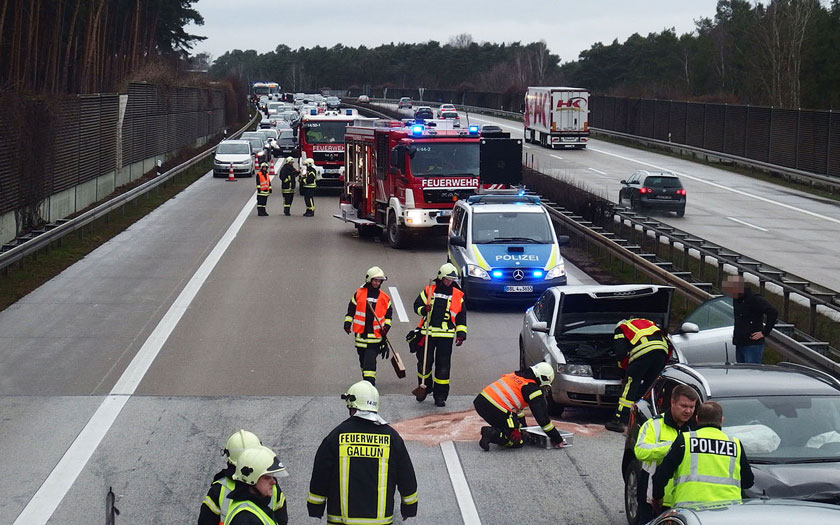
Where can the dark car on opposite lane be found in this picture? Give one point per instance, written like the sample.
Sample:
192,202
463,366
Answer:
653,190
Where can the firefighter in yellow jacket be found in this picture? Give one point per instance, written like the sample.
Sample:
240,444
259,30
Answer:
369,319
643,349
442,305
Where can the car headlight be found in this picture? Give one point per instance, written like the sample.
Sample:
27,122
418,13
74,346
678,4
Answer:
575,370
477,271
557,271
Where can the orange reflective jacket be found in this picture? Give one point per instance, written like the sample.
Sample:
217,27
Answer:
506,393
454,306
265,182
379,311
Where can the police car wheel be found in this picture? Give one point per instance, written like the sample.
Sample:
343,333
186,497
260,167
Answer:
631,489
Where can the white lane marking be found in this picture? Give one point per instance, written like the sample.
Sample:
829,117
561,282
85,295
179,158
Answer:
555,156
598,171
43,504
398,304
747,224
722,187
459,484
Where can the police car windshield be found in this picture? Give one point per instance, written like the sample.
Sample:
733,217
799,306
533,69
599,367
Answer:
444,159
325,132
511,227
785,429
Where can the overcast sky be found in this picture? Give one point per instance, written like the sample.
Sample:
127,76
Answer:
567,26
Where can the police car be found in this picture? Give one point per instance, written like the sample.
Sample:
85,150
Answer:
505,247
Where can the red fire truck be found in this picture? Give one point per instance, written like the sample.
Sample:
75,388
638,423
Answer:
321,138
404,178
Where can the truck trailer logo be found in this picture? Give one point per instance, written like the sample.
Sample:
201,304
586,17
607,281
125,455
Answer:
536,109
573,104
450,182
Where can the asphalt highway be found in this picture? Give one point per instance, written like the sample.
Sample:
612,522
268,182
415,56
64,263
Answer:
783,227
131,368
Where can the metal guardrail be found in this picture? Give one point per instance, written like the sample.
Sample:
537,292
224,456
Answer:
791,173
781,338
41,241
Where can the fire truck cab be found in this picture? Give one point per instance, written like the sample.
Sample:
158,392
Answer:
404,178
321,138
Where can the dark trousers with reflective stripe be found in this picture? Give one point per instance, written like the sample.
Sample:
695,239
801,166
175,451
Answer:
503,423
288,197
262,201
367,361
641,373
309,198
440,356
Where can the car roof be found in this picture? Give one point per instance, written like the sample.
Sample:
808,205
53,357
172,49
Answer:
749,380
591,289
235,141
519,207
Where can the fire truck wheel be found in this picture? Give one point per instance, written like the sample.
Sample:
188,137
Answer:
396,234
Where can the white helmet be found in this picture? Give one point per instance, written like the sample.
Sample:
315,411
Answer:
289,160
362,396
448,271
309,162
256,462
544,373
238,442
375,272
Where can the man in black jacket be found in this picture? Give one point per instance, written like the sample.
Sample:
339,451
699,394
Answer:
256,483
751,328
360,464
287,177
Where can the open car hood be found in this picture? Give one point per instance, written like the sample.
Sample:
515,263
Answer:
808,481
587,305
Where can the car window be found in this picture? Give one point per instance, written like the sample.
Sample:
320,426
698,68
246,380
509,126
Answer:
661,393
544,307
715,313
785,429
502,227
663,182
457,216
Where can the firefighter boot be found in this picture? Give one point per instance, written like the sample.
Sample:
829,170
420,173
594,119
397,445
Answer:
487,434
616,425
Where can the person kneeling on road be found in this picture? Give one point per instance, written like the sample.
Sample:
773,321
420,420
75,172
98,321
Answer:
502,404
255,484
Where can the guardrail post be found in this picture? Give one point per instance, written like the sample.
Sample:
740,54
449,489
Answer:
702,266
786,306
813,323
719,272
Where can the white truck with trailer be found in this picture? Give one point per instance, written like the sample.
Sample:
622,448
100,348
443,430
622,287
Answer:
557,117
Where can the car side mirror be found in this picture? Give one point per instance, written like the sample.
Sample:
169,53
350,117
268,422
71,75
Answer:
623,181
540,326
689,328
456,240
562,240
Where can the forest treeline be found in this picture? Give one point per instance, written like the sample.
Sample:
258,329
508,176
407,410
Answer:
89,46
777,53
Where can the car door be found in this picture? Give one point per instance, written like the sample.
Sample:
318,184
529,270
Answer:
537,343
712,341
457,254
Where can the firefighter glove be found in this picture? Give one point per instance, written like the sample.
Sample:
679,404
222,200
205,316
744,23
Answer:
408,511
515,435
386,329
347,327
384,351
459,341
427,308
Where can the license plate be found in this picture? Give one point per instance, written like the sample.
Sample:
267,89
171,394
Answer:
445,213
666,197
570,139
612,390
519,288
331,170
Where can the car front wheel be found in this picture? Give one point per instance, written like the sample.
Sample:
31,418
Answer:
631,492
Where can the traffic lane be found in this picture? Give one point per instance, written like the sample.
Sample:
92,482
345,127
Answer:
716,213
35,434
76,333
162,452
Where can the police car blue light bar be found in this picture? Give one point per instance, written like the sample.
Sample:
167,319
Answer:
313,111
348,112
473,129
416,130
497,273
538,273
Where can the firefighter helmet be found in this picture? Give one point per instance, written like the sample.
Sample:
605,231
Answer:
309,162
289,160
448,271
362,396
375,272
257,462
264,166
238,442
544,373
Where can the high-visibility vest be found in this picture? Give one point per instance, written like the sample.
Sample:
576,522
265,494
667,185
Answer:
220,507
652,445
454,305
506,393
265,182
310,179
379,312
643,335
711,468
247,506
